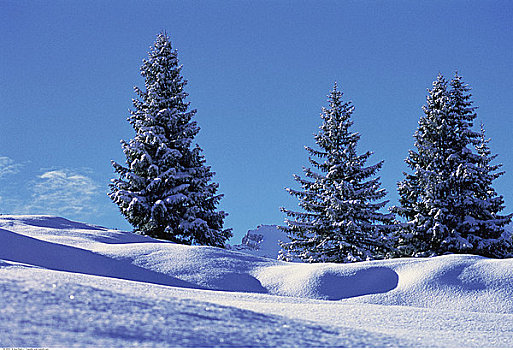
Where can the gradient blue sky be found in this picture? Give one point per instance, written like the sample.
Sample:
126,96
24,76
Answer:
258,72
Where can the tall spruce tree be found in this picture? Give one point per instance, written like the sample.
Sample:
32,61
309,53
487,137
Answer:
165,190
448,201
341,221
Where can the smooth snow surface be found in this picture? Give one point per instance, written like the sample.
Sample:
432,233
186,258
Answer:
66,284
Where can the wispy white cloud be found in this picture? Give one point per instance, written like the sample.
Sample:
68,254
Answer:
63,192
9,166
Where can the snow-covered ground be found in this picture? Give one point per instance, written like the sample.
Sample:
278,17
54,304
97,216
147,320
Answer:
64,283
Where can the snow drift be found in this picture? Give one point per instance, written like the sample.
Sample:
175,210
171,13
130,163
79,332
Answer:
66,274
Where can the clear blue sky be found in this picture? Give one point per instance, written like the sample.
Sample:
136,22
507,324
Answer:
258,72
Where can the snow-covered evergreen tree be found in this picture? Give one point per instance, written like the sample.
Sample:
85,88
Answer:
495,240
341,221
165,190
448,200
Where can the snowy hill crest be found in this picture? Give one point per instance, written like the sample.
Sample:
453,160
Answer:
105,280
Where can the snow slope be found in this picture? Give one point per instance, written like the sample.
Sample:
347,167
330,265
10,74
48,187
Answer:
64,283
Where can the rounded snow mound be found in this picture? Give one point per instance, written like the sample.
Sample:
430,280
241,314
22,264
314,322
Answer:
61,230
206,267
48,221
59,244
455,282
461,282
327,281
